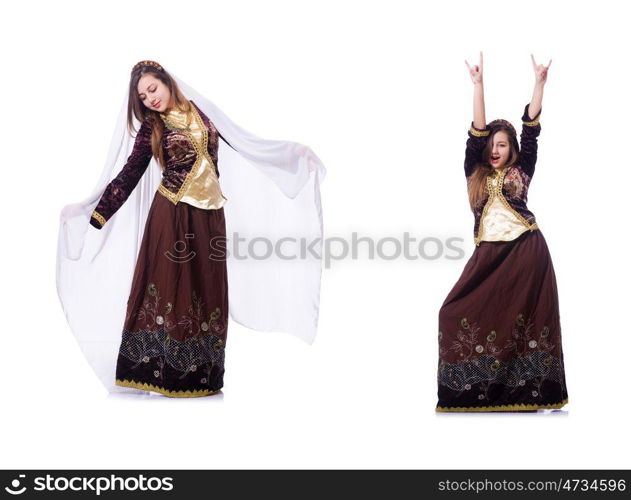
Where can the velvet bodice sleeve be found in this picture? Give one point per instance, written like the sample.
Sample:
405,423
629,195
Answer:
530,130
475,145
119,189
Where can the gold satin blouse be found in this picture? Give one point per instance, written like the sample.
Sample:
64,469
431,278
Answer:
499,223
203,190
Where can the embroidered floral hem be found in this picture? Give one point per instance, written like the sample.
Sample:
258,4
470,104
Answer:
530,379
156,359
481,384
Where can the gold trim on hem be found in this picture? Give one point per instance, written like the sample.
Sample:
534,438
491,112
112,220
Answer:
98,217
551,406
174,394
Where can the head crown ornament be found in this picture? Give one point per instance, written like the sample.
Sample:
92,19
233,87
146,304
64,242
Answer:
153,64
506,123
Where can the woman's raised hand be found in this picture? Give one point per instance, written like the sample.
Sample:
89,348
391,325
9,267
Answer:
541,71
476,71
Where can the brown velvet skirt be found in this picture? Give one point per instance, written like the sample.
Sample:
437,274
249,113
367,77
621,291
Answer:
176,324
500,333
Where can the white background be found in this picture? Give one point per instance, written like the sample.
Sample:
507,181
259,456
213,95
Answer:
382,95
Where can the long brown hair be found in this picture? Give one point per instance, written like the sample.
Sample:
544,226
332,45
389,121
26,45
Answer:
477,180
135,107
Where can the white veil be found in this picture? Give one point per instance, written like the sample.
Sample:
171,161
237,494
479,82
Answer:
273,192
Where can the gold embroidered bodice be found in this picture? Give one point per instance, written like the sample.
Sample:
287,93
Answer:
499,223
202,185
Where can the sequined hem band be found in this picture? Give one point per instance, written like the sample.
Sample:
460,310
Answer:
552,406
174,394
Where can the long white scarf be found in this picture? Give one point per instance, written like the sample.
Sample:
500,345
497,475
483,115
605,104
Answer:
273,192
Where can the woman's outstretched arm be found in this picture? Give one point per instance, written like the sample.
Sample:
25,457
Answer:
541,75
478,133
530,120
479,117
119,189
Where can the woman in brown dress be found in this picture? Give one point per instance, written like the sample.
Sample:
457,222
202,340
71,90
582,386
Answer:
499,328
176,324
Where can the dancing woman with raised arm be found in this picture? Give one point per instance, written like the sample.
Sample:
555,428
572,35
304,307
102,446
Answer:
499,329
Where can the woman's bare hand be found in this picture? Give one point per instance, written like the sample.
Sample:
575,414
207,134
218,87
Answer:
541,71
476,71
